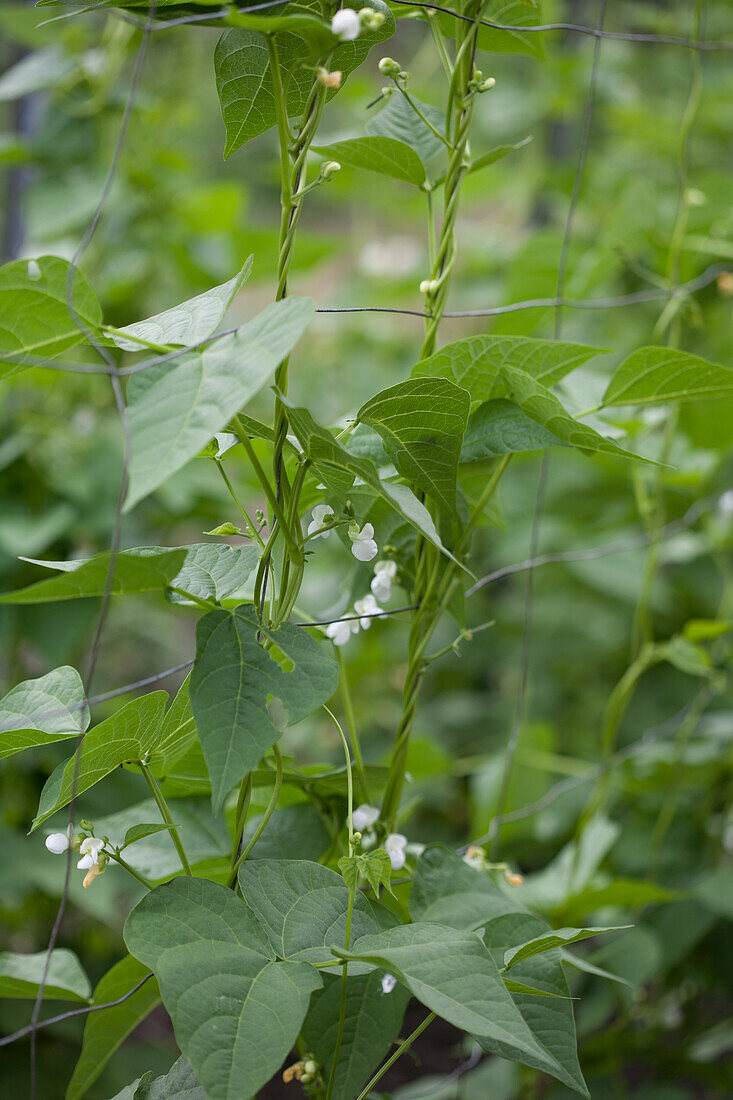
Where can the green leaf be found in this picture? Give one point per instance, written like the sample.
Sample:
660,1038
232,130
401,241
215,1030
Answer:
500,428
558,937
452,973
398,121
174,408
477,363
578,962
39,712
126,736
104,1032
654,375
530,991
244,81
139,832
20,976
497,153
34,315
176,734
372,1022
384,155
140,570
179,1083
302,907
236,1011
376,867
338,469
190,322
319,37
422,422
230,684
447,891
293,832
213,571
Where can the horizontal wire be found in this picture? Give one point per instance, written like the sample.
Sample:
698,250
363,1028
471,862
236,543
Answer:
23,1031
636,298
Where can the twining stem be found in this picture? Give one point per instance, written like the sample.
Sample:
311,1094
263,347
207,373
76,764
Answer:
267,487
165,814
404,1045
351,725
240,507
240,816
262,824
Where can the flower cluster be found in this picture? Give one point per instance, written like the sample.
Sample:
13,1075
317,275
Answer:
93,857
363,819
366,608
348,24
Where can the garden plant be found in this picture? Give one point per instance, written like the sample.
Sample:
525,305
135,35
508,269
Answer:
338,832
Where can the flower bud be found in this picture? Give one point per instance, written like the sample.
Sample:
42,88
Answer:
429,286
328,79
86,825
329,168
389,67
370,19
310,1068
513,879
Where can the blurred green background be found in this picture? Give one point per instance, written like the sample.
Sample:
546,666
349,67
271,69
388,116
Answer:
179,220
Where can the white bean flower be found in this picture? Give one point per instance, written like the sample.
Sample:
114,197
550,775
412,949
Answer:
346,24
93,860
58,843
395,845
725,504
388,983
320,513
363,546
367,607
384,574
340,632
364,817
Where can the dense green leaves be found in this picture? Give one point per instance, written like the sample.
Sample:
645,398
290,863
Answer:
302,907
477,362
235,1010
105,1031
34,313
243,77
126,736
190,322
338,469
174,408
371,1023
384,155
232,679
21,975
499,428
655,375
422,422
38,712
176,734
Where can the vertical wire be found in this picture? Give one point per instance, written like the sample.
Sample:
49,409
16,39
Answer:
115,539
520,704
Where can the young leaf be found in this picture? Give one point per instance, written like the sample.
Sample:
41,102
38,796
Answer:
244,81
452,973
654,375
498,153
558,937
38,712
230,684
477,362
179,1083
400,122
500,428
126,736
302,907
191,321
372,1022
34,313
20,976
236,1012
422,422
139,832
384,155
104,1032
338,469
176,734
174,408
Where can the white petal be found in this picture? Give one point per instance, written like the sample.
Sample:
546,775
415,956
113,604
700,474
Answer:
57,843
321,512
364,816
86,862
367,531
388,983
386,568
397,858
395,841
346,24
364,549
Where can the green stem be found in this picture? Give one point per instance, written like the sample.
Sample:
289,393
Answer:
272,500
130,870
404,1045
351,725
240,817
166,815
242,510
271,805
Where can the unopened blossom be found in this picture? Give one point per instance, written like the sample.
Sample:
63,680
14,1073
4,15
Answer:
328,79
58,843
367,607
346,24
340,632
394,846
364,817
388,983
320,514
513,879
475,857
384,574
363,546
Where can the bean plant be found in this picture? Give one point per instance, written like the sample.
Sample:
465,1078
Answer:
296,950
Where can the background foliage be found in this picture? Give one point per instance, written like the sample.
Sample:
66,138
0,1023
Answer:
180,219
